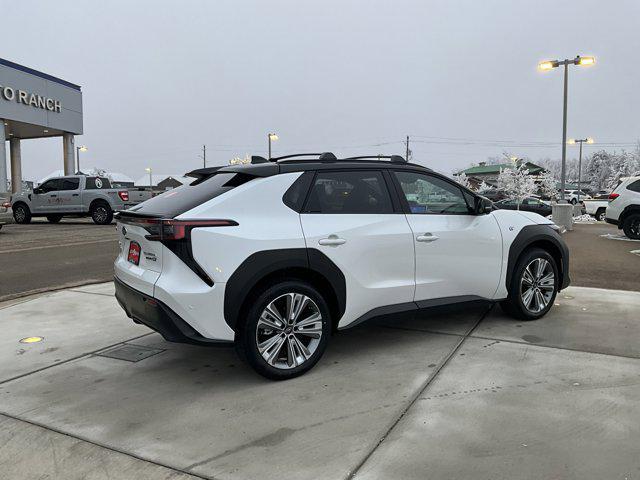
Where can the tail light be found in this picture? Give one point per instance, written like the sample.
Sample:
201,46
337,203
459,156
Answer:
613,196
6,204
124,195
171,230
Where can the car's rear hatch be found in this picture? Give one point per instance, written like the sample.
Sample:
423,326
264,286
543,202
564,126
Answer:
150,230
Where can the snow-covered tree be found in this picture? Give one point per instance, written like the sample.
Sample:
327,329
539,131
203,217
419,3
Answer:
484,187
463,180
516,182
547,185
240,160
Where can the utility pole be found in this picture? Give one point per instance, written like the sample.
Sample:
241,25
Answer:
204,156
573,141
407,157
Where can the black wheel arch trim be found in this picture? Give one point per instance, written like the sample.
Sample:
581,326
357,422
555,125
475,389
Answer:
532,235
628,210
262,264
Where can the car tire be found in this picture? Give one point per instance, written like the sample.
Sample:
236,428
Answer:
101,213
532,302
631,226
21,213
574,201
601,214
276,345
54,218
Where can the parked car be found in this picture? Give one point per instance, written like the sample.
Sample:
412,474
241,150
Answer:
571,196
596,208
75,195
529,204
276,255
623,209
6,215
494,195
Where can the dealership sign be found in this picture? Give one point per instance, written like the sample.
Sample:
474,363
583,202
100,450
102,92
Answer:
32,99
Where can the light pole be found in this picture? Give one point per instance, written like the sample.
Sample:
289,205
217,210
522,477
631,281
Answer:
548,65
79,149
573,141
270,137
148,169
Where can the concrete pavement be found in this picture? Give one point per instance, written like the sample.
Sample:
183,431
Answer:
463,393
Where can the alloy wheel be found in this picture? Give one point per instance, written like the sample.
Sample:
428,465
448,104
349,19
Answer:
19,214
289,330
537,285
100,214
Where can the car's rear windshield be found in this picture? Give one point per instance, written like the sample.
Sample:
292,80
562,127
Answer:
95,183
182,199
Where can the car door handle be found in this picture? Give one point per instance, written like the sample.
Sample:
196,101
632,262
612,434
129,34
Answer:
332,241
427,237
75,194
52,195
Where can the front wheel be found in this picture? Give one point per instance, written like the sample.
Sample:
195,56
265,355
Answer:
101,214
286,330
534,286
21,213
631,226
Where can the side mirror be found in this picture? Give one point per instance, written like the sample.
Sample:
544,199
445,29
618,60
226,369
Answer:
483,206
37,190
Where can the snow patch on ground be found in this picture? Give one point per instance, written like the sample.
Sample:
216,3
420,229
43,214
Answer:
586,218
611,236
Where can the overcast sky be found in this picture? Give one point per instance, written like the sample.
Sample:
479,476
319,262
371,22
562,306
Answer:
160,79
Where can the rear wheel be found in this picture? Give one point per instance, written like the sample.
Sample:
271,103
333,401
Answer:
631,226
574,201
21,213
101,213
286,330
601,214
54,218
534,286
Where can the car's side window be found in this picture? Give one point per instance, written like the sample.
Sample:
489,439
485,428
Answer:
361,192
52,185
70,183
634,186
427,194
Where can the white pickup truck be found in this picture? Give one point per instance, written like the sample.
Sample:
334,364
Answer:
596,208
73,195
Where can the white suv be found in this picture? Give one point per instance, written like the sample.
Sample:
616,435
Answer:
624,207
276,255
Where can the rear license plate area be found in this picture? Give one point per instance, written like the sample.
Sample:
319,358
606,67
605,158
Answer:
134,253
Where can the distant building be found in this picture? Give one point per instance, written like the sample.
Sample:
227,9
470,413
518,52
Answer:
162,182
489,173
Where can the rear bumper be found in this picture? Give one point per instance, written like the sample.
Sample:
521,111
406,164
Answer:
144,309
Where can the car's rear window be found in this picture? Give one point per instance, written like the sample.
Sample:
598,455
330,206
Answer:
97,183
182,199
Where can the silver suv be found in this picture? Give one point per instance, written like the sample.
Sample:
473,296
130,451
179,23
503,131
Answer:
624,207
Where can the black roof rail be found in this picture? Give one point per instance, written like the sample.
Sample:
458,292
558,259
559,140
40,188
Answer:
295,155
392,158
